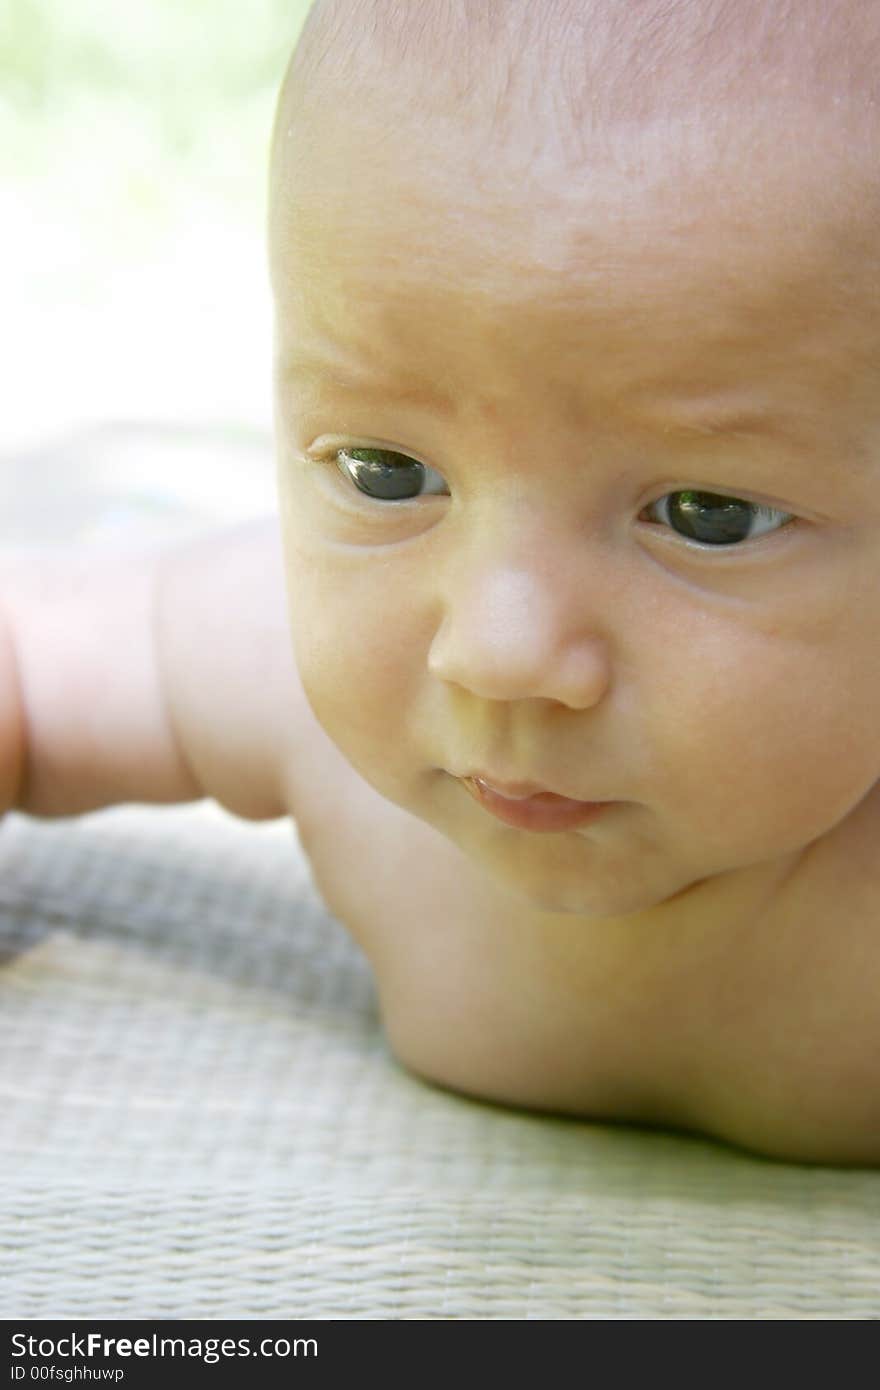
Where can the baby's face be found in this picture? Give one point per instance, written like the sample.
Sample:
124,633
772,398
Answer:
580,481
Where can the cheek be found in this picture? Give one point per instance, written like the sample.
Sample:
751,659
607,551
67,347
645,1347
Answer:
360,647
771,741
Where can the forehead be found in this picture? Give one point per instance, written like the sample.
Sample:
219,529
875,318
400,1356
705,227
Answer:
548,215
677,237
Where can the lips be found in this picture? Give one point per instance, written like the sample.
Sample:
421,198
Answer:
526,806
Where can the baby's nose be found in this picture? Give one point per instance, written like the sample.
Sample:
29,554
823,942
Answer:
511,633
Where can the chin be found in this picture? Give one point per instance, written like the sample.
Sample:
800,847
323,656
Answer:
574,895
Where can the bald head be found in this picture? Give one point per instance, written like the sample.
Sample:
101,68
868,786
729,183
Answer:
583,68
771,103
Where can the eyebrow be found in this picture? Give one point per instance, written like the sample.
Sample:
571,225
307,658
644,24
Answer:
716,421
689,420
349,378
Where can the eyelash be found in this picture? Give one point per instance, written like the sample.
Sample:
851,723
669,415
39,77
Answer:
761,520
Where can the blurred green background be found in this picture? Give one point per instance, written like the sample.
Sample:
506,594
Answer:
132,205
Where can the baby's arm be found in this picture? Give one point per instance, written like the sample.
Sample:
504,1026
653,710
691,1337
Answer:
157,676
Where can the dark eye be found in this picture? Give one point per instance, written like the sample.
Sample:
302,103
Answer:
389,477
714,519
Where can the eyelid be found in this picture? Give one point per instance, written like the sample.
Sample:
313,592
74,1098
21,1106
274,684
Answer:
771,521
755,499
327,453
765,543
328,446
349,467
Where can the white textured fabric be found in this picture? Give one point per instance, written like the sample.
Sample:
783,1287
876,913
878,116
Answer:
200,1119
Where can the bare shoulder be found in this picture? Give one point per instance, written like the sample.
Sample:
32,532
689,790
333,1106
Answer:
235,700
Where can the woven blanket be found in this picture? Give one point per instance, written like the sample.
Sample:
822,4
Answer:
201,1119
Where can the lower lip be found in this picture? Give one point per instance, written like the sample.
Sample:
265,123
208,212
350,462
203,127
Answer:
545,811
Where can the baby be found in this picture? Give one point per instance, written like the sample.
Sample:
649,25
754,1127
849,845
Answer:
578,424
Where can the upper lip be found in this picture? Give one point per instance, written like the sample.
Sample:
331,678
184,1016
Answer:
515,790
